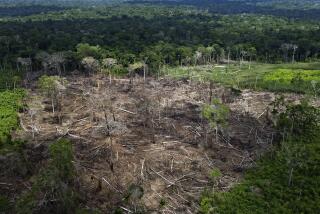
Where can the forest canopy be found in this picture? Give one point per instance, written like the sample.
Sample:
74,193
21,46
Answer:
169,35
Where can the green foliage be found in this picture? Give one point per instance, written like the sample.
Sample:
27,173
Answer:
303,9
48,84
300,121
61,159
217,114
5,206
86,50
119,70
296,80
87,211
287,75
166,35
298,77
162,202
107,12
53,189
51,86
215,173
10,104
111,66
286,180
266,190
10,79
134,193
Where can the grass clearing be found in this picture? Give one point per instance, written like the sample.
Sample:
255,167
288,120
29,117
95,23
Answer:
298,77
295,80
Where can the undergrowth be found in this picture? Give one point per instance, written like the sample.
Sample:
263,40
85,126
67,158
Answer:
10,79
10,104
293,80
286,180
53,189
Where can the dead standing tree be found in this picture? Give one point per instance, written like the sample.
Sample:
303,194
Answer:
105,127
57,60
26,63
91,65
137,68
145,67
34,129
146,111
43,57
285,48
108,64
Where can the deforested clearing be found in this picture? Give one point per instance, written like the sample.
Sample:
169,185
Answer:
150,134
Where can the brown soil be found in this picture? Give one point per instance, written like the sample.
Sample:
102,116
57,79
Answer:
149,135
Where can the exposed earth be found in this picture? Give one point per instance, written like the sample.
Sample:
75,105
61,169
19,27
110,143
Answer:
144,144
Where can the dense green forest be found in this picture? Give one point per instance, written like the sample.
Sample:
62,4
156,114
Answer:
246,48
165,35
307,9
26,10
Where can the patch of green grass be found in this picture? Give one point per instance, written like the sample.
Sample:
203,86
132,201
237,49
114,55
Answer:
215,173
230,75
287,75
303,66
295,80
297,77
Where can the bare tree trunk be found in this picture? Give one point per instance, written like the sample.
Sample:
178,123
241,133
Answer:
293,54
110,78
33,125
52,104
290,177
152,130
211,91
144,72
206,136
59,70
60,109
217,134
18,67
159,71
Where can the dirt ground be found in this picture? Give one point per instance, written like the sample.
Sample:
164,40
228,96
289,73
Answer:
149,137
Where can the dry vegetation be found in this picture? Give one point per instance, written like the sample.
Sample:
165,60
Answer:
134,136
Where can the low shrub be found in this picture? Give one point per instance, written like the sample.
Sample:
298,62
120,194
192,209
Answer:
10,104
53,188
286,180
